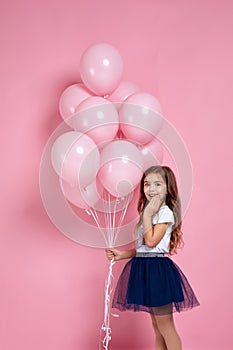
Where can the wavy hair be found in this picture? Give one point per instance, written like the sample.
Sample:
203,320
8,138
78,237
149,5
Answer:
172,201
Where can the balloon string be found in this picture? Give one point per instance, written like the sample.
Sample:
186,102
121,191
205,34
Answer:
109,221
123,213
108,217
107,294
114,221
96,218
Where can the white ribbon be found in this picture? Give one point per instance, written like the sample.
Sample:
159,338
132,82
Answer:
107,298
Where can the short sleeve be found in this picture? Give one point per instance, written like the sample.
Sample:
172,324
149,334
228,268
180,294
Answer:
165,214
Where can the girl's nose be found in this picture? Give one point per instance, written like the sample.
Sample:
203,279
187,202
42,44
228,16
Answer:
152,187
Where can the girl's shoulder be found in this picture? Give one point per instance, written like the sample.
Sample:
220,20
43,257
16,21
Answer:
165,214
165,209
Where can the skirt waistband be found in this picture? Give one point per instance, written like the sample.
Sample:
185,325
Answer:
149,255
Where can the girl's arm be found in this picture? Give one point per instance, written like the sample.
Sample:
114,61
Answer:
120,254
116,254
153,234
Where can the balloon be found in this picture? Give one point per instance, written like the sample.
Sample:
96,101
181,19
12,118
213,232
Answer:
97,118
152,153
121,167
82,197
122,92
70,99
101,68
140,117
75,158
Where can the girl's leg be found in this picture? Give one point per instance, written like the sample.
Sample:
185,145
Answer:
159,341
166,326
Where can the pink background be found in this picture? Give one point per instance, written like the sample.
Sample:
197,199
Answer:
51,290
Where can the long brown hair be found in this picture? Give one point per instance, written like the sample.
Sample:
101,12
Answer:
172,201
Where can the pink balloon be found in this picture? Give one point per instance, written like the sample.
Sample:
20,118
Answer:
152,153
140,117
97,118
121,167
81,197
75,158
70,99
101,68
122,92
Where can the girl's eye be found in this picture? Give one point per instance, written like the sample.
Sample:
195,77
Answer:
148,185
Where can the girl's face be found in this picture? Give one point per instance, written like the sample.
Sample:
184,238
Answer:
154,185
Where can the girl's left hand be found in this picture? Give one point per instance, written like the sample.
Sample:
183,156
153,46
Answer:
113,254
153,206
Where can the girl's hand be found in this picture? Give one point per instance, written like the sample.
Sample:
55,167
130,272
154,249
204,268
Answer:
153,206
113,254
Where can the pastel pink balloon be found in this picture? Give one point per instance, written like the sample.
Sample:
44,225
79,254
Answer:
152,153
75,158
71,97
140,117
121,167
97,118
122,92
81,197
101,68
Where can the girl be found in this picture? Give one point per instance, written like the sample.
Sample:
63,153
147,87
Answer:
151,281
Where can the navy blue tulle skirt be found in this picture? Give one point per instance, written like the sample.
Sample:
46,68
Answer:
155,285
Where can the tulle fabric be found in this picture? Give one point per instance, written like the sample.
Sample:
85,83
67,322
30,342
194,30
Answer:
155,285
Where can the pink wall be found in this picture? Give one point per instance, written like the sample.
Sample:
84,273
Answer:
51,290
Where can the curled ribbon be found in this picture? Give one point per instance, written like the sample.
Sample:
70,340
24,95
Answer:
107,298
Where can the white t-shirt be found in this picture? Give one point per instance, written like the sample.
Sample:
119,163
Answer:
164,214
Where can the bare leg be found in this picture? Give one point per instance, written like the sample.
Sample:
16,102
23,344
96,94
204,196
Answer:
166,326
159,341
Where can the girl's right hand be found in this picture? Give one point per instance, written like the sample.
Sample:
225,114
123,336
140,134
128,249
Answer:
113,254
153,206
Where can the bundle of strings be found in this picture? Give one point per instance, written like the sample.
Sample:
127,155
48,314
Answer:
110,234
107,298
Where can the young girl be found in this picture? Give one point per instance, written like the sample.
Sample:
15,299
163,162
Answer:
151,281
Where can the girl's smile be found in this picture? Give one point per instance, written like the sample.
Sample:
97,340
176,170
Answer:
154,185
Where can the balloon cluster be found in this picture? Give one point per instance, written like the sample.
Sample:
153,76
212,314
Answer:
113,127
